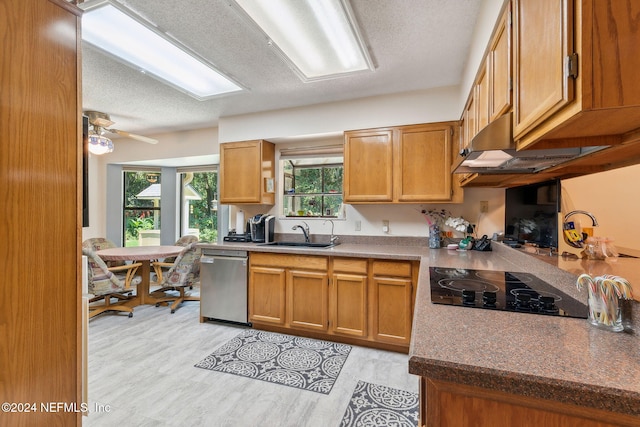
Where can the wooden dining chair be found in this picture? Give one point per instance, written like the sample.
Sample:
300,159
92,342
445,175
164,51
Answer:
159,267
125,272
184,272
104,285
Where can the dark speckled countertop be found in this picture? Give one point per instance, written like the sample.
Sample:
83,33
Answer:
562,359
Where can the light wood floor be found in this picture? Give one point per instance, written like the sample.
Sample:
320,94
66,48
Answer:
141,369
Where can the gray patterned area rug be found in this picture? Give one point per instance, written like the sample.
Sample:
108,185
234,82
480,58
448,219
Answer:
378,405
298,362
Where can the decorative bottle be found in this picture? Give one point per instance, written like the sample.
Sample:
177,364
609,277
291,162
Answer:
434,237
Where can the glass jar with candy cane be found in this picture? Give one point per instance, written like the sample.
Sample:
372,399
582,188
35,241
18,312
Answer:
605,293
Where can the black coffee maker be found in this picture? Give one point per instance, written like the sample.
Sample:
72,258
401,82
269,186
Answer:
262,227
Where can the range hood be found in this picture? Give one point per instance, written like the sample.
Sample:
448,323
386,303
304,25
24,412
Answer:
493,151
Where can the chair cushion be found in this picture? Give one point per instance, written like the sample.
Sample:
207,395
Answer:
101,280
186,268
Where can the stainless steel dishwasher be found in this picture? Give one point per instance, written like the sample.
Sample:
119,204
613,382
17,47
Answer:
223,286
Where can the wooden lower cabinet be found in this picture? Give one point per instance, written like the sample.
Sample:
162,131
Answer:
267,291
353,300
445,403
392,301
349,284
307,299
391,310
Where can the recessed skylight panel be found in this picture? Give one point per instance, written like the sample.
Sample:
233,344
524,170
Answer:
136,43
318,39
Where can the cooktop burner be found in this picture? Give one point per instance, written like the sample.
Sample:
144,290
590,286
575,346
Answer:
501,290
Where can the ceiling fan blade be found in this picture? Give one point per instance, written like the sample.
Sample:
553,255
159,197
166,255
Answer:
134,136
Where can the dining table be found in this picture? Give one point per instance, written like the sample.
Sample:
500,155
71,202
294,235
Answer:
144,255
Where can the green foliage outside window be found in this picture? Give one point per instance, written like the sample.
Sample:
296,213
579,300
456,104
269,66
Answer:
203,213
144,214
139,213
312,189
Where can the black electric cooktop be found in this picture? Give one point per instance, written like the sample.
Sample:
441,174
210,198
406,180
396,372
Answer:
501,290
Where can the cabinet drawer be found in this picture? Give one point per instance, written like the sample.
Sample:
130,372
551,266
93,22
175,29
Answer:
392,268
350,265
289,261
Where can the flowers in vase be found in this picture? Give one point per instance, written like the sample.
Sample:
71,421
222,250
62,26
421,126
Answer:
459,224
442,217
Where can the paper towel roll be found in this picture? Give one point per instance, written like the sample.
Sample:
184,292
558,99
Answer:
240,222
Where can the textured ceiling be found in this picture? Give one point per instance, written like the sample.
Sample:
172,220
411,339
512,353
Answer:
414,44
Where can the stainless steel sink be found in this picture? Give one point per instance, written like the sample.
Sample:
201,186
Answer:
300,244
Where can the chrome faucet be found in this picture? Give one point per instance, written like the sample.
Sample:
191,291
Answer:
333,238
590,215
305,230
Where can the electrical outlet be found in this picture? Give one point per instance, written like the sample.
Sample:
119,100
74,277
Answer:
358,225
484,206
385,225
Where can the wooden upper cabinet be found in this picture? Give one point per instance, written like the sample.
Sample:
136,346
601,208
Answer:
611,35
245,168
575,73
469,120
423,168
482,97
401,164
543,36
368,166
499,67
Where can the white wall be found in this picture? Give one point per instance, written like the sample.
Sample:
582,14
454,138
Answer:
434,105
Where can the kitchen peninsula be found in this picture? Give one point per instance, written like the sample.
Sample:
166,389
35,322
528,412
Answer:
522,368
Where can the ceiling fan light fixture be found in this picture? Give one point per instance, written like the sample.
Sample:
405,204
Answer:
99,144
318,39
128,38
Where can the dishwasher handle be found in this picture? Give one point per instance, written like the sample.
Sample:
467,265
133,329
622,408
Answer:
210,259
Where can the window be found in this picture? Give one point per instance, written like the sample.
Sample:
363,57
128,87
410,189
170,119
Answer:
313,187
199,212
141,208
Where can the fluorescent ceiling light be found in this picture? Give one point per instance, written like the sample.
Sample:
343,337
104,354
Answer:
319,39
141,46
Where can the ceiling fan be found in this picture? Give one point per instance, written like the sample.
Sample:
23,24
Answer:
101,122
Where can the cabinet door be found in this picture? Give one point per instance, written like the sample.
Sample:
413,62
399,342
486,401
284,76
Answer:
543,36
267,295
368,166
469,129
499,58
307,299
482,96
391,310
423,167
242,169
349,304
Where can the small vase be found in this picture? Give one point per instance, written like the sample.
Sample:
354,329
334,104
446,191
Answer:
605,316
434,237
